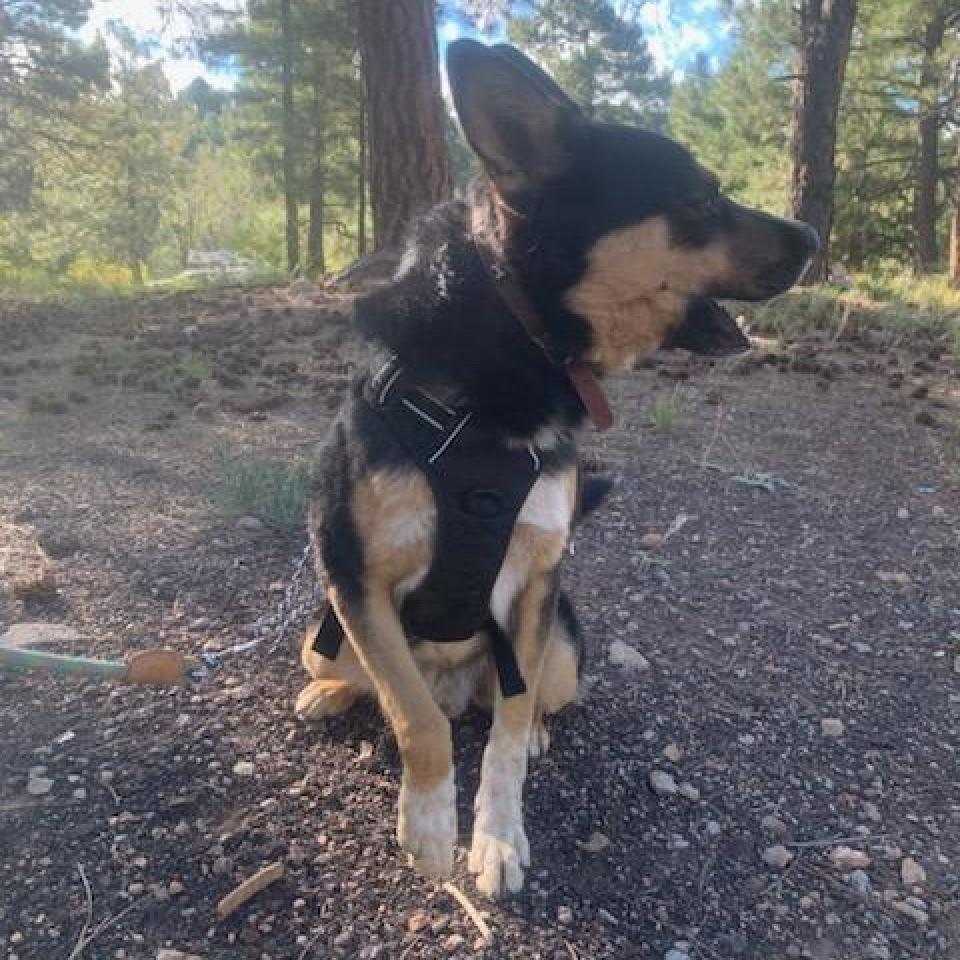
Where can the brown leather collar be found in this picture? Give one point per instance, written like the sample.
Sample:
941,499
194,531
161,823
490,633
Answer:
581,377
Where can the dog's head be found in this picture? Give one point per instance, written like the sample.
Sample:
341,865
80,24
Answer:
617,226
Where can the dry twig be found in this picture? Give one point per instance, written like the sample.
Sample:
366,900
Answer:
250,887
472,912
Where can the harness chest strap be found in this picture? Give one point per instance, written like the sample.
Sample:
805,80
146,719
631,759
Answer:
479,486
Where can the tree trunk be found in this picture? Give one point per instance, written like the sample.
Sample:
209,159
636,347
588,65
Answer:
289,126
362,184
316,262
955,240
409,163
925,253
826,27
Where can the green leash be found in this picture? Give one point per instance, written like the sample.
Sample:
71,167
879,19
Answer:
153,667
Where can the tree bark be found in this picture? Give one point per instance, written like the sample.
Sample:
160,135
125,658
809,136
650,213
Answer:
409,163
826,27
925,251
289,137
316,261
362,183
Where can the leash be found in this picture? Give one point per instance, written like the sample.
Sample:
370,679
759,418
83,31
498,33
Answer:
578,371
158,667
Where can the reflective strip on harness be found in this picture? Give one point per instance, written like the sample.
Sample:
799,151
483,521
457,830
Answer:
479,486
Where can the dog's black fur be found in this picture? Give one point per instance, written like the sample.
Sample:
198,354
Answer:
569,184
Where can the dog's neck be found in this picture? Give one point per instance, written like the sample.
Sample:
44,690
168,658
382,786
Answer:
443,317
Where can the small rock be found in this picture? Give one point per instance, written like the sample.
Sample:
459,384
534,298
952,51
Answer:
596,843
674,954
860,647
243,768
911,873
773,824
777,856
164,953
939,513
175,888
903,513
136,889
80,793
39,786
37,634
454,942
249,524
672,752
689,791
626,657
860,881
831,727
564,916
418,921
846,858
662,783
909,910
652,541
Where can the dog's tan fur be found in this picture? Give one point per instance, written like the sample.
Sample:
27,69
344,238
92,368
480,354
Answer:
636,287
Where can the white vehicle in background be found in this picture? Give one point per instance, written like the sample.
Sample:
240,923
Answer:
218,265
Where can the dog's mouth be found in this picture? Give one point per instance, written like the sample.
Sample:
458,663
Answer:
709,330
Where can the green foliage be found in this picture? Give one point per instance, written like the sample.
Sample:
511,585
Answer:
276,493
596,51
737,122
884,310
669,411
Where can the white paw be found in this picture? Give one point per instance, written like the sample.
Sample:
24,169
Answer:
427,827
500,850
539,742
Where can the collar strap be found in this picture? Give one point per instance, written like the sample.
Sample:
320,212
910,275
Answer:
578,372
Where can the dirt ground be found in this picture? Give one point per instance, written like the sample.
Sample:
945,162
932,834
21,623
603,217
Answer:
789,656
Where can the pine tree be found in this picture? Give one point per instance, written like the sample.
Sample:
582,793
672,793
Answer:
597,52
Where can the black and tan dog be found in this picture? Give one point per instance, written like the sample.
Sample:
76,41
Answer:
583,246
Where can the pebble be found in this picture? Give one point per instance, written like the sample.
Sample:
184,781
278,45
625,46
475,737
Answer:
626,657
243,768
860,647
454,942
903,513
831,727
662,783
596,842
675,954
39,786
909,910
846,858
418,921
777,856
860,881
672,752
911,873
564,916
652,541
249,523
773,824
689,791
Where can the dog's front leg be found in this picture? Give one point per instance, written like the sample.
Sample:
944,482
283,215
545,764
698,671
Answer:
500,850
427,816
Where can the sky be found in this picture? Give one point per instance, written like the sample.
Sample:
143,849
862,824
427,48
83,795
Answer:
676,31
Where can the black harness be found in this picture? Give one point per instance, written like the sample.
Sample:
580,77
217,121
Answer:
479,486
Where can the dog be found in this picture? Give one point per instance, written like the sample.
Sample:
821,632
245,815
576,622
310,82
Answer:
450,481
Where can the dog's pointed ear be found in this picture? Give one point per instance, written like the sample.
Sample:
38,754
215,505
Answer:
514,116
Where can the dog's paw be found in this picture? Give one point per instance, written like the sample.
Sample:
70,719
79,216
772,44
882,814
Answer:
539,741
427,827
325,698
500,850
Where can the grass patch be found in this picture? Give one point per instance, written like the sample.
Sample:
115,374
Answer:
669,411
46,402
276,493
883,311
